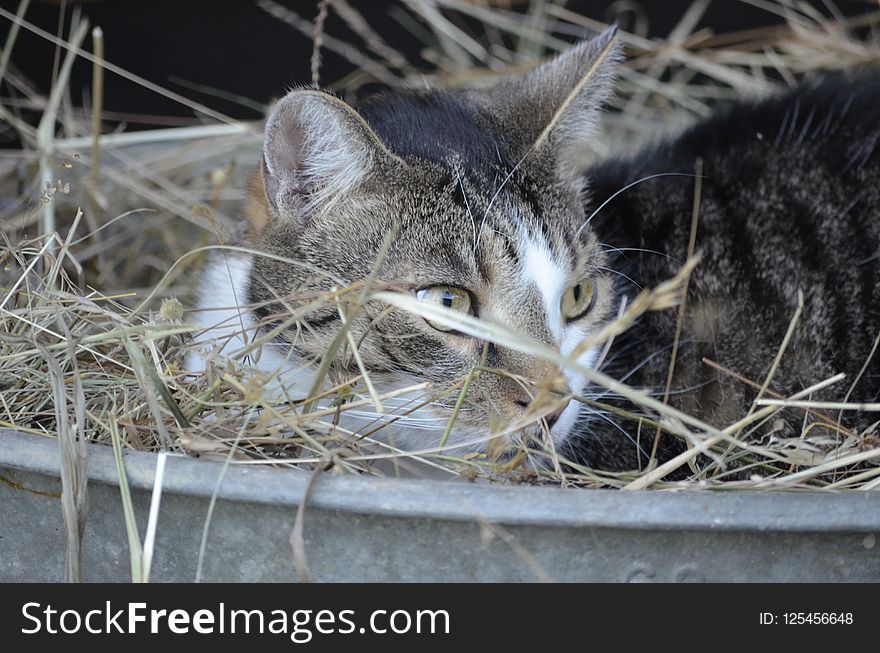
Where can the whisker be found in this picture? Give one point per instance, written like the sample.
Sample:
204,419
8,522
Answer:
498,191
621,274
593,412
611,248
626,188
468,206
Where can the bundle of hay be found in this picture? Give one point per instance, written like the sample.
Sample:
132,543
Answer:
102,235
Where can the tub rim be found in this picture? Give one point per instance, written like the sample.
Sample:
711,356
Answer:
662,510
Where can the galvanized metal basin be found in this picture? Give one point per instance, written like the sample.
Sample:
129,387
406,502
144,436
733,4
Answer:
378,529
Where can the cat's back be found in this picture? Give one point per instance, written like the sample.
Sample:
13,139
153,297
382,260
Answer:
834,121
789,198
790,185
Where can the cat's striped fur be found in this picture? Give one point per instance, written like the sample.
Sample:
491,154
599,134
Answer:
790,200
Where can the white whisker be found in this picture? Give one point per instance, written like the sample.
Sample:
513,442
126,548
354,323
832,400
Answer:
611,248
626,188
498,192
621,274
468,206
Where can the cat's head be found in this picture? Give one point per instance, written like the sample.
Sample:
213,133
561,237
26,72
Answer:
483,194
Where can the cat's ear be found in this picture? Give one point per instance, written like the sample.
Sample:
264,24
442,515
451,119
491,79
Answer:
557,106
317,149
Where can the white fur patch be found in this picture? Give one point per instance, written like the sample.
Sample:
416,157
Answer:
576,382
550,278
228,326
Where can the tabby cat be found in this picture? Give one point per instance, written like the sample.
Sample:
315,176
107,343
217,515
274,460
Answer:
478,201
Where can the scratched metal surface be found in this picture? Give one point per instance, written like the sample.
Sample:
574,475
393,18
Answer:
374,529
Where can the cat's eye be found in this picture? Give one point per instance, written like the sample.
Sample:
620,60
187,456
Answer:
578,300
448,296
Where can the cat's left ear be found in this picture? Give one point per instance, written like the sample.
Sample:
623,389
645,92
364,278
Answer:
556,108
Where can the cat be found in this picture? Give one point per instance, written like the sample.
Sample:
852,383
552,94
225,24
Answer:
479,201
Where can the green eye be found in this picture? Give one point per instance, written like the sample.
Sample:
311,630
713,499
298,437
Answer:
578,300
448,296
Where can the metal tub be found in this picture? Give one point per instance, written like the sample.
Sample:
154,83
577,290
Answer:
380,529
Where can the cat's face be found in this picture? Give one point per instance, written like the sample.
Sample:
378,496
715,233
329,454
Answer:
501,237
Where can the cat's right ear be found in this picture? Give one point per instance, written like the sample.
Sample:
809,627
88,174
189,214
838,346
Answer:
317,150
555,108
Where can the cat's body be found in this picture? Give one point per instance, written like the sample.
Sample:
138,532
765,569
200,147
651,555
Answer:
790,200
487,205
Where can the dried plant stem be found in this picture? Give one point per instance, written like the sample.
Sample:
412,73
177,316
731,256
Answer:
818,470
353,346
73,47
856,478
859,376
670,466
317,39
820,405
676,38
73,451
170,135
46,129
873,485
153,517
297,541
135,550
11,37
824,419
679,323
789,333
343,49
97,107
355,20
203,542
454,42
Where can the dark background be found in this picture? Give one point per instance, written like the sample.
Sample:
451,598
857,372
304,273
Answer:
237,47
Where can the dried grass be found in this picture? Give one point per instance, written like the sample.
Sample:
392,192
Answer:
94,331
